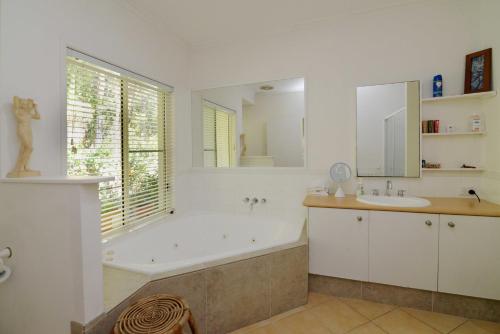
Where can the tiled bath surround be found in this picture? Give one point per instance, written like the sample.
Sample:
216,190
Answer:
469,307
227,297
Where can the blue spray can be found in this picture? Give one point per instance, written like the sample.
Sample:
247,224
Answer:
437,86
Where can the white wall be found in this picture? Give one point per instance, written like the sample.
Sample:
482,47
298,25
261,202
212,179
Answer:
33,38
412,42
490,26
53,230
272,126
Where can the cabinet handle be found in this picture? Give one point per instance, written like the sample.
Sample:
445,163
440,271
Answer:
428,223
451,224
359,218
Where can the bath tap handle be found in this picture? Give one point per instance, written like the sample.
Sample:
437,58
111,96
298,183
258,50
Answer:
6,253
246,200
254,201
263,200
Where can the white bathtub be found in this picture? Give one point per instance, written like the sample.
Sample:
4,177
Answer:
198,241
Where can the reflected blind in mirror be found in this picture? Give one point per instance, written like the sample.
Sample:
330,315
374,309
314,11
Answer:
219,142
120,126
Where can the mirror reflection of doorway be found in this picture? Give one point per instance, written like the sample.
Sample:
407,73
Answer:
394,143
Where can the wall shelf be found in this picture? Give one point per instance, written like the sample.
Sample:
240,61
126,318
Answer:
445,134
437,148
483,95
59,179
461,170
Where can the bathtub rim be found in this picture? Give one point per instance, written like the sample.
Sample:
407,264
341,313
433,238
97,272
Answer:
108,238
154,275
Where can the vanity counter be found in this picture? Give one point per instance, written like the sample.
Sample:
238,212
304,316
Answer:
439,205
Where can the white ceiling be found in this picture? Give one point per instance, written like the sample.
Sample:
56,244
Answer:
203,22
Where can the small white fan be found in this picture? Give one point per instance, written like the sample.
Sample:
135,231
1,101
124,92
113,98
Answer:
340,172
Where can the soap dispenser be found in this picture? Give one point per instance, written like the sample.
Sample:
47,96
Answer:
360,190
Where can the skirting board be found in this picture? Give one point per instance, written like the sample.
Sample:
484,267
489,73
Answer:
469,307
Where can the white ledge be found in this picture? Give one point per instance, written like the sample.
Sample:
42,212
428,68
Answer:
59,179
482,95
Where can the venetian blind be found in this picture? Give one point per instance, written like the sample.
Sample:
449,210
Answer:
218,136
209,143
121,126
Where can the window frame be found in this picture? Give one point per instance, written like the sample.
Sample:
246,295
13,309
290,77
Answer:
167,136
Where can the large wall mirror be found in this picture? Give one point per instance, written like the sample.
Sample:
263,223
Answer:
388,130
253,125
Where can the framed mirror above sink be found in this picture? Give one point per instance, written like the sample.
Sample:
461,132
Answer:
260,124
388,130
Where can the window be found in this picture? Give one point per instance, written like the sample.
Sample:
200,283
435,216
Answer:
120,125
219,143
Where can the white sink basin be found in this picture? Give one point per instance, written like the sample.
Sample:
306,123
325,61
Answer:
406,202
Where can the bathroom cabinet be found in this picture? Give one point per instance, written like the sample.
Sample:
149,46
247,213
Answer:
469,256
436,252
338,243
403,249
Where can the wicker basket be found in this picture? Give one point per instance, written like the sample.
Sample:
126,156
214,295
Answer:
157,314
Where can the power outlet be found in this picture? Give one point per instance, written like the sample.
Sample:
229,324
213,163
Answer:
465,191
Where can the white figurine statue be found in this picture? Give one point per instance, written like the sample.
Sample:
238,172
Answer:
24,110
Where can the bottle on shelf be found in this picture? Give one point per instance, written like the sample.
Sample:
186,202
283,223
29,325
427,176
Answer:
437,86
476,123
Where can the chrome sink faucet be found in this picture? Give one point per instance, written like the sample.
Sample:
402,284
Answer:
388,188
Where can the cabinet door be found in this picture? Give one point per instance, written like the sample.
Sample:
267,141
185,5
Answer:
338,243
469,256
404,249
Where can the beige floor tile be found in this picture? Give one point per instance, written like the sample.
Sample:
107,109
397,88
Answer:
338,317
369,309
302,323
317,298
252,327
399,322
469,328
442,322
269,329
368,328
491,327
244,330
287,313
263,323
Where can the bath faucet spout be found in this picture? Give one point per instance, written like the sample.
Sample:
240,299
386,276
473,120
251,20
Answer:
253,202
388,188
